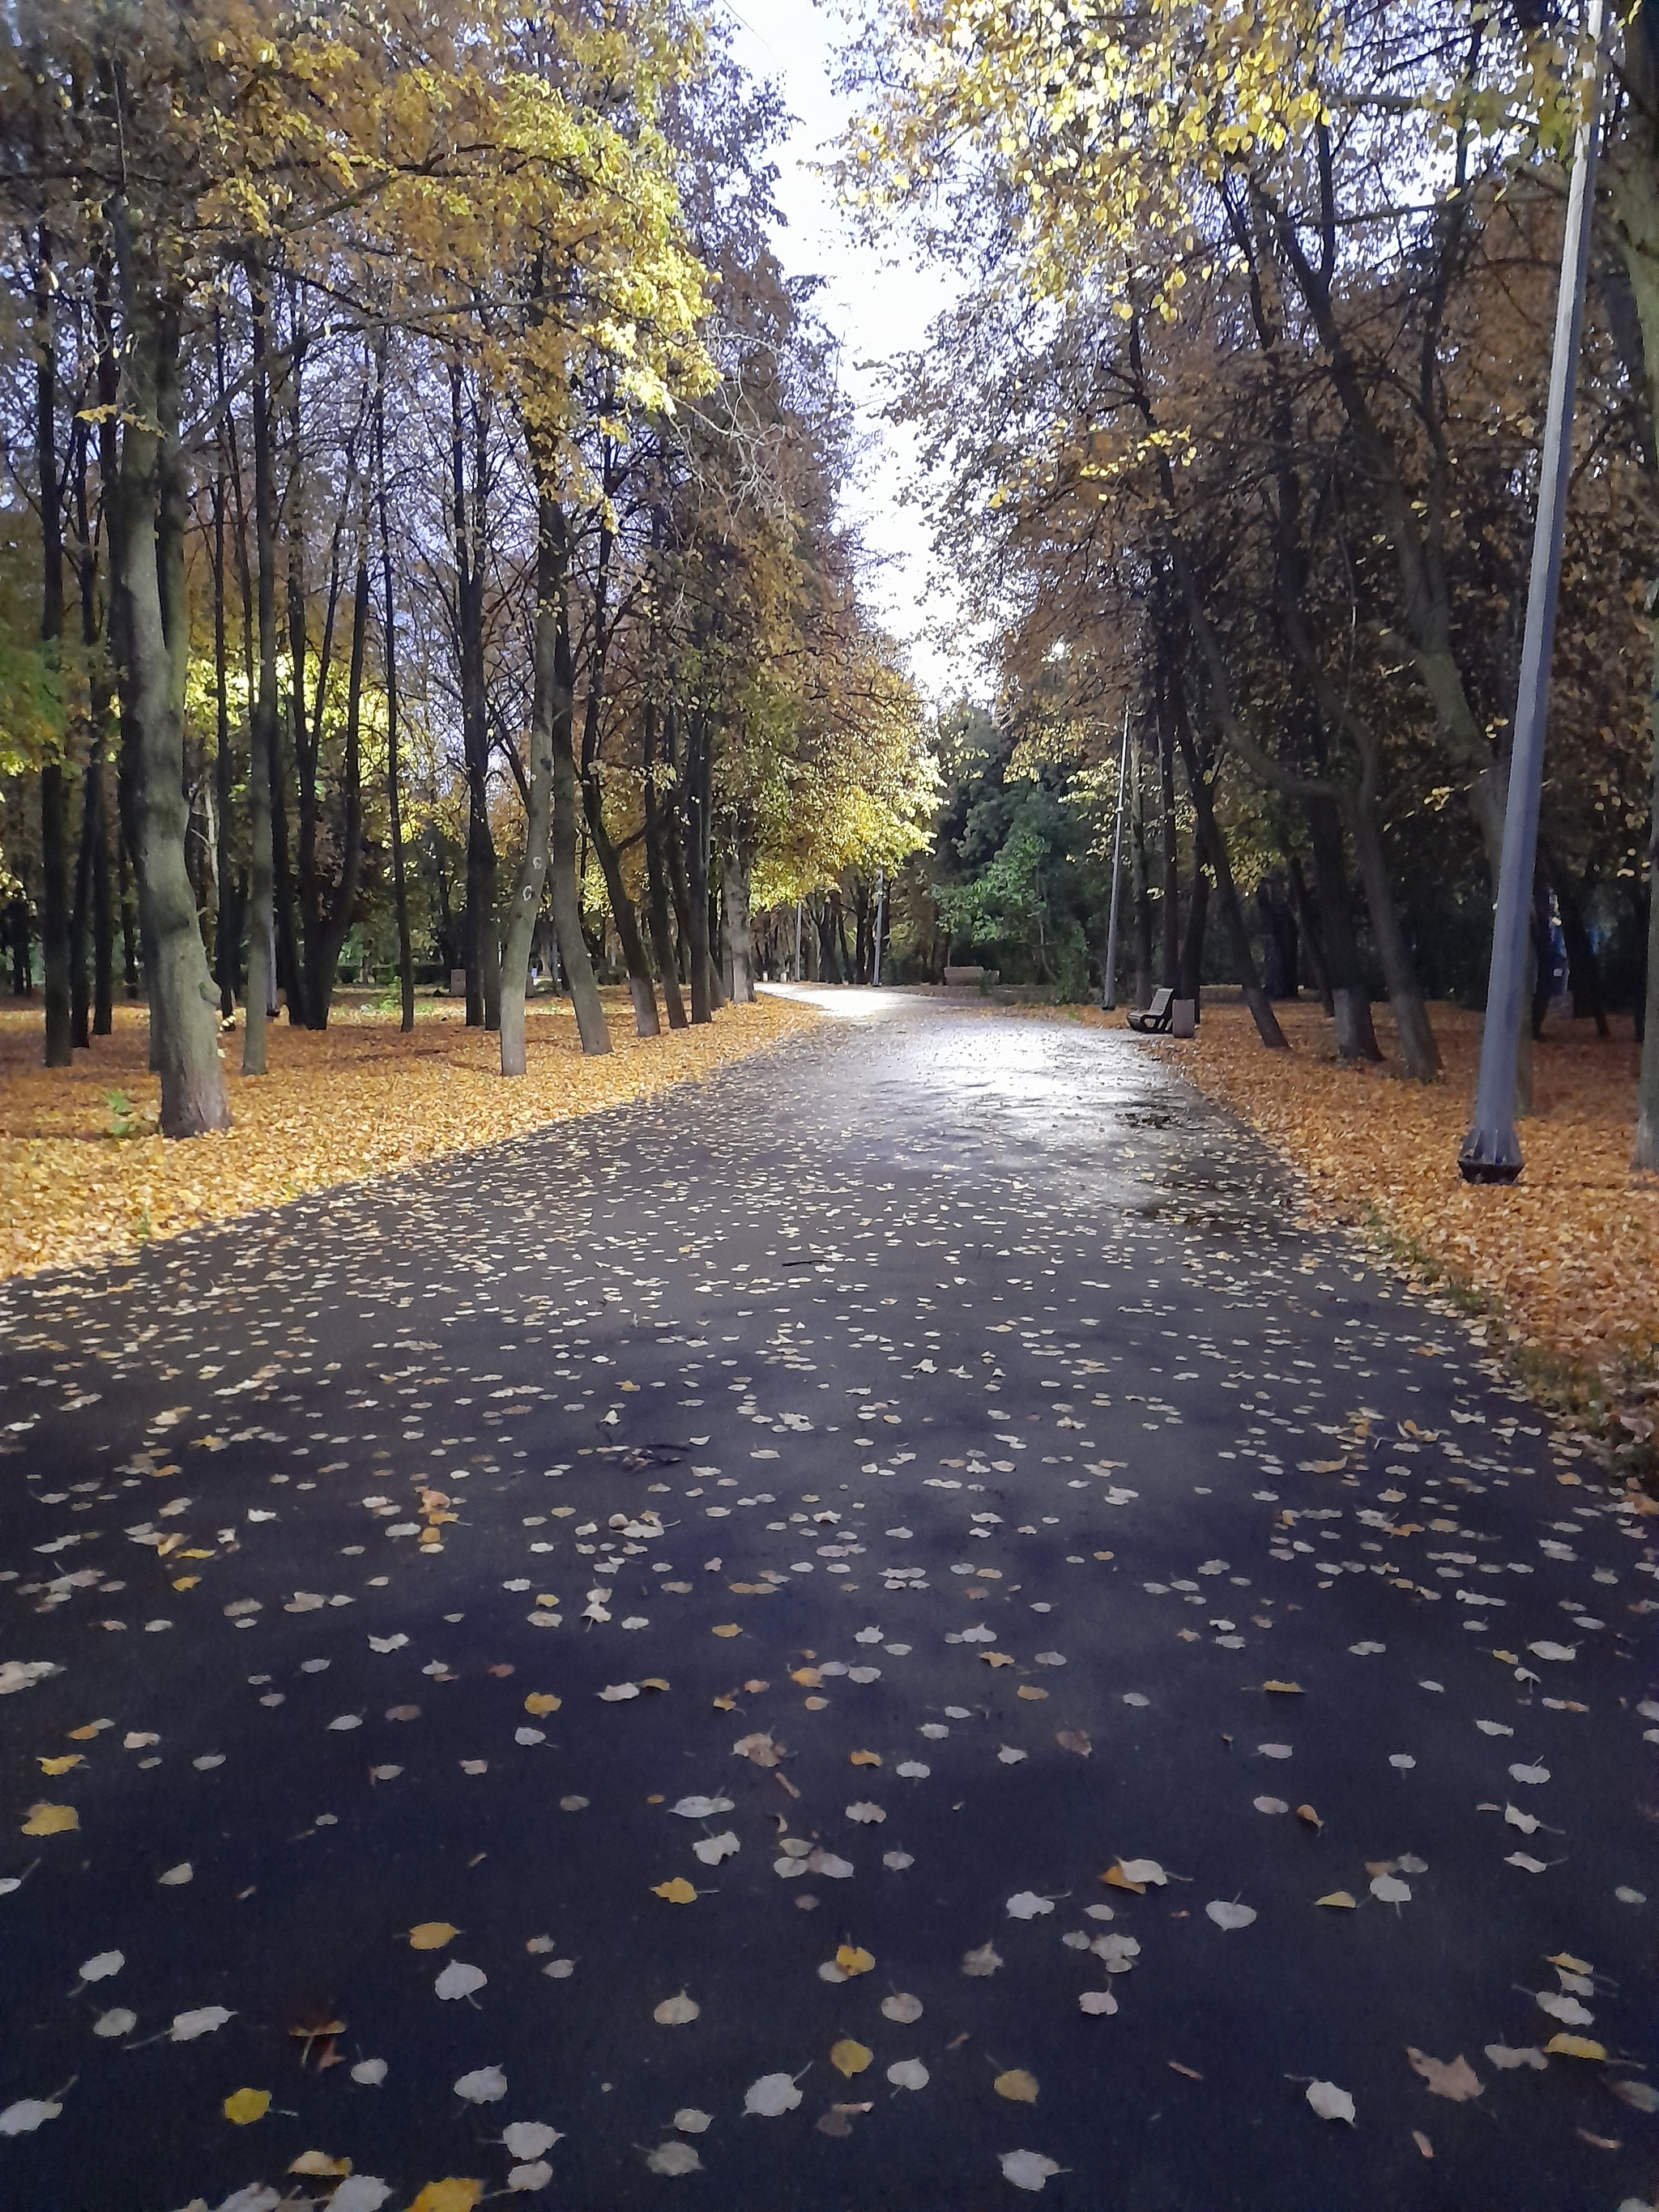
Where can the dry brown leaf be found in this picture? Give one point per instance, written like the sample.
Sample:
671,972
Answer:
1454,2078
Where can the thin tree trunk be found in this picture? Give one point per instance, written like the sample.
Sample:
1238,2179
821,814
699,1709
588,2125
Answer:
153,629
1140,903
1171,900
1418,1048
656,880
103,934
1644,1153
696,873
389,660
225,920
530,880
566,885
54,777
334,923
1214,847
1307,922
1351,1005
262,791
734,884
1190,983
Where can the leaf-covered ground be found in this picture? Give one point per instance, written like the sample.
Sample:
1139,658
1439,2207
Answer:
1569,1255
356,1100
885,1631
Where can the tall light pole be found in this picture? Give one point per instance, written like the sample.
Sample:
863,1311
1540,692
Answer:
1491,1150
1109,995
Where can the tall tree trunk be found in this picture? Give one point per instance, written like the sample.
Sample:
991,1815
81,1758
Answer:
389,661
1170,902
54,774
1418,1048
92,782
1632,170
566,885
1190,983
103,934
1140,900
531,881
639,989
739,941
696,874
153,629
1213,845
1351,1004
1307,926
468,525
227,921
656,878
262,781
334,922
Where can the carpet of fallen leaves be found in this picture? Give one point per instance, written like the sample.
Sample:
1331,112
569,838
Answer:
1569,1256
357,1100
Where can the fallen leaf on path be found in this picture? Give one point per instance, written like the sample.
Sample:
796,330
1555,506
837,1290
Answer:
679,1891
849,2057
432,1936
1018,2085
243,2106
1027,2169
1330,2102
771,2096
1455,2079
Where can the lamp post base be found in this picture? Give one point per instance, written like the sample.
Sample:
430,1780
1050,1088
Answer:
1490,1155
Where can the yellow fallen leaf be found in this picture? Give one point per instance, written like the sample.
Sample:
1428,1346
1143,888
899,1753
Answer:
996,1659
808,1677
85,1735
1029,1692
243,2106
1508,1657
1571,1966
450,2196
51,1820
1337,1897
727,1628
1016,2085
726,1705
185,1582
848,2057
546,1597
678,1892
542,1701
319,2161
864,1758
1575,2046
63,1766
1307,1812
1118,1880
1283,1689
853,1960
652,1682
432,1936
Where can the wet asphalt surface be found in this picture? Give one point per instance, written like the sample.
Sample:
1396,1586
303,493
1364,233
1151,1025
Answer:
779,1546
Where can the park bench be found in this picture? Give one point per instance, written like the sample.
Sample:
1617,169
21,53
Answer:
1152,1020
986,975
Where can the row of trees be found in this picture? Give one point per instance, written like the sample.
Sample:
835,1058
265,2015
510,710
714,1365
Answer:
1238,426
422,481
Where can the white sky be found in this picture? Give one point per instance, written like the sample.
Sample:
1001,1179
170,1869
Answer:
877,307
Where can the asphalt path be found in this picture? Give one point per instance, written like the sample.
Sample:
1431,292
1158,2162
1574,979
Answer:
889,1630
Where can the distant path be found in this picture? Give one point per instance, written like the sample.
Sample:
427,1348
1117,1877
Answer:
975,1369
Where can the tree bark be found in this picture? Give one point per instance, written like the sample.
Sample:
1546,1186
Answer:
566,884
389,663
1351,1005
656,878
182,998
734,885
467,518
262,789
55,920
530,880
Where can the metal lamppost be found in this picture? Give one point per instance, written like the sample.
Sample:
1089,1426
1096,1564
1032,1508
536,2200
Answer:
1491,1150
1108,996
